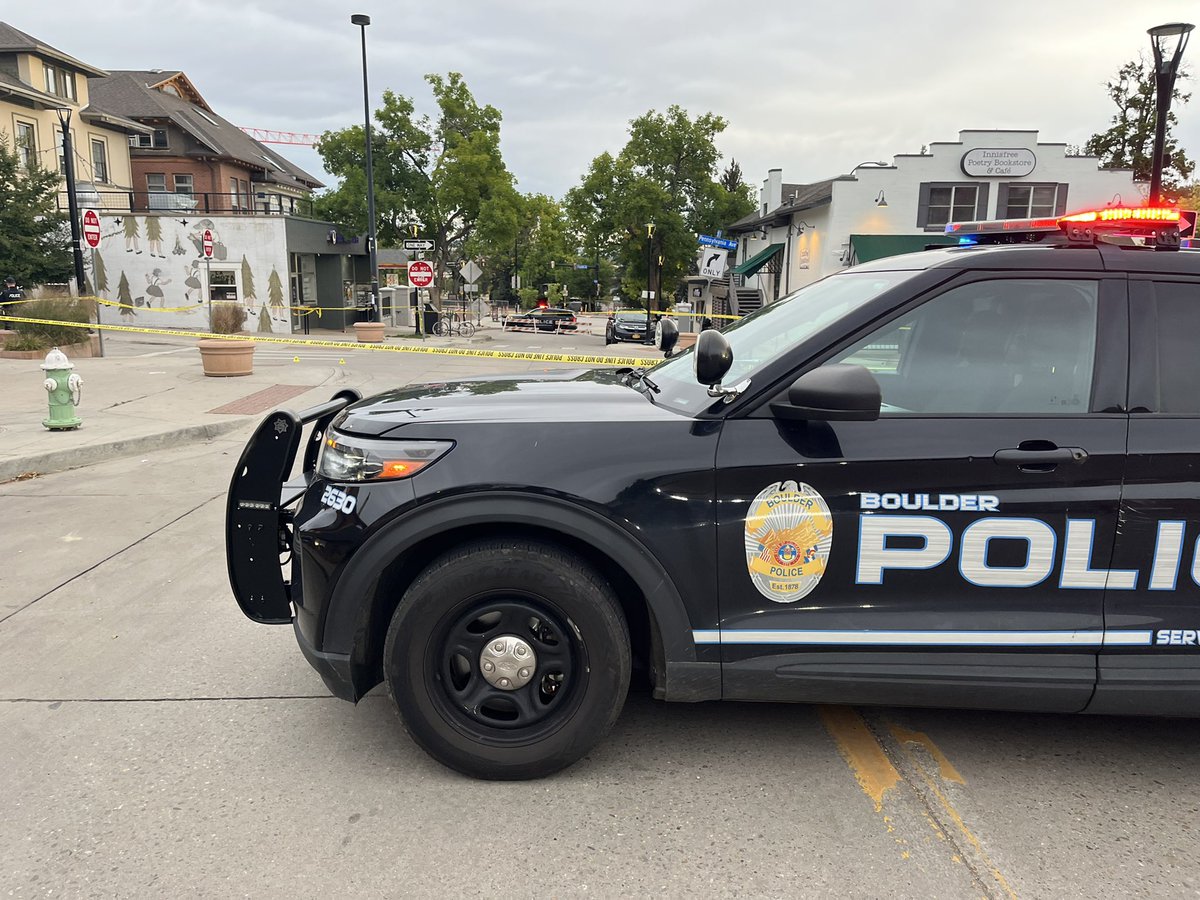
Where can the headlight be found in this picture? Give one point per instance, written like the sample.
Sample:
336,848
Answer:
349,458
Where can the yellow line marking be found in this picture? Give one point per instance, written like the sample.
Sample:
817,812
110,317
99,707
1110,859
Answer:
583,359
907,739
872,769
945,768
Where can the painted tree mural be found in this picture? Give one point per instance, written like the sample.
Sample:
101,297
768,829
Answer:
264,321
101,274
124,298
275,290
154,236
248,292
131,235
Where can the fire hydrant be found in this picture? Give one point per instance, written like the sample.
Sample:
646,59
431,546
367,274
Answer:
65,388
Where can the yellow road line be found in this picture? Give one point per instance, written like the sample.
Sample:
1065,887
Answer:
872,769
577,358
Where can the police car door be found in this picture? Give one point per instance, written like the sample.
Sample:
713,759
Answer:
1151,657
954,551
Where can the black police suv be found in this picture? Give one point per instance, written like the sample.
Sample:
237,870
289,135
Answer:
963,477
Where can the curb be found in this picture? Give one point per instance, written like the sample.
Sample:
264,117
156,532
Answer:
78,457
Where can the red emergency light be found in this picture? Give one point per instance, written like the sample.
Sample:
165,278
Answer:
1136,226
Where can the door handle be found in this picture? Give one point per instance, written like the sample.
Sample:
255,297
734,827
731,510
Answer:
1040,459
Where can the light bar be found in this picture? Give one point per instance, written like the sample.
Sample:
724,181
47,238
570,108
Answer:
1125,214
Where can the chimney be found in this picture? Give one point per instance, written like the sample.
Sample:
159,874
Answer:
772,192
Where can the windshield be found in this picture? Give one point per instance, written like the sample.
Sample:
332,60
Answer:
766,335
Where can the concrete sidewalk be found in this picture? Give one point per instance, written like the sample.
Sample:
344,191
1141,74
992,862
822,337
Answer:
150,393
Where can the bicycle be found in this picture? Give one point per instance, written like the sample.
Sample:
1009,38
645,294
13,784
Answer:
446,326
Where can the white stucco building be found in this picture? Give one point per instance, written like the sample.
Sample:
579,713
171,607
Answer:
802,232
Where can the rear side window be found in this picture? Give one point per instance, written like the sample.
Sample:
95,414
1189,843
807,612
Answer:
1178,326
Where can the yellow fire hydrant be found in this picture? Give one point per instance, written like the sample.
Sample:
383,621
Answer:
65,388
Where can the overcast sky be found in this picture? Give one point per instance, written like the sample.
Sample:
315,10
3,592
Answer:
814,88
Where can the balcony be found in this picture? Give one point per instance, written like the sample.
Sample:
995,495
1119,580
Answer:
263,203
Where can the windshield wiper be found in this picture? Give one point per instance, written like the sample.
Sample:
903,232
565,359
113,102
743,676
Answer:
640,374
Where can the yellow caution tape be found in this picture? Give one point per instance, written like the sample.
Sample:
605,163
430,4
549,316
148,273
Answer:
579,358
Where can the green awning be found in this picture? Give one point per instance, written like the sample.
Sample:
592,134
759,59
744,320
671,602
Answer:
867,247
757,261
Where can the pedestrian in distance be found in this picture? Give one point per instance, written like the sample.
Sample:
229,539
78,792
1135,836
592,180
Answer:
11,292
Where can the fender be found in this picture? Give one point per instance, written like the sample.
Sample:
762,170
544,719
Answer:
685,678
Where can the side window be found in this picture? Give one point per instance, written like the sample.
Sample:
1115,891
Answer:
1023,346
1178,306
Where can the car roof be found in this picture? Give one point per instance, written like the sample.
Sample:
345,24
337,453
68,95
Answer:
1099,257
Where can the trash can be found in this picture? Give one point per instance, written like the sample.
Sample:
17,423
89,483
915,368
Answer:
429,318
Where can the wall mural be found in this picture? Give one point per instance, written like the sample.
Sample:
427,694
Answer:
140,282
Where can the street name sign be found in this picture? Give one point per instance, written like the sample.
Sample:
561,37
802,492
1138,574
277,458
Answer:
723,243
420,274
91,228
423,244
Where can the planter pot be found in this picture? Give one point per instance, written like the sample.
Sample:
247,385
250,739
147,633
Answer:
225,358
369,332
82,350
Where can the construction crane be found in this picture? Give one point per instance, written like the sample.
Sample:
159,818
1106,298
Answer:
270,136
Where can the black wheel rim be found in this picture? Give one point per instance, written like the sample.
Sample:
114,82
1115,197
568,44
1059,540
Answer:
485,712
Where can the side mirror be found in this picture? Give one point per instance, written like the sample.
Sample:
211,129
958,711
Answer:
666,335
712,358
837,393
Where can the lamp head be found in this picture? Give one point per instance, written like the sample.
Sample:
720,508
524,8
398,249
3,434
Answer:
360,19
1159,37
880,200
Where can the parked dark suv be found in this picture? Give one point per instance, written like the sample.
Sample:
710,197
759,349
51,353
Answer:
962,477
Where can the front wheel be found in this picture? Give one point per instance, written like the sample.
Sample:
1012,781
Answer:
508,659
466,329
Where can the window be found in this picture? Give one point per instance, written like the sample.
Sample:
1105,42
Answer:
1004,346
183,184
26,145
1028,201
941,204
233,193
222,285
156,141
245,193
156,182
1178,305
62,151
99,162
59,82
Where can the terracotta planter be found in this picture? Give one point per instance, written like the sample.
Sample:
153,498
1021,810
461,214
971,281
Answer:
82,350
225,358
369,332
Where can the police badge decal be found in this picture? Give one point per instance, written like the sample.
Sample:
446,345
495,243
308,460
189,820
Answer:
789,531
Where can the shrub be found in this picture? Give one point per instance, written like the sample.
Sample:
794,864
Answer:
227,318
58,309
28,341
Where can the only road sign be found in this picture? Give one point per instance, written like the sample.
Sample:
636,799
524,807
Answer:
418,244
712,263
420,274
91,228
207,244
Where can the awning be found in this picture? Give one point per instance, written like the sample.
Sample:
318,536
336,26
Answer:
867,247
757,261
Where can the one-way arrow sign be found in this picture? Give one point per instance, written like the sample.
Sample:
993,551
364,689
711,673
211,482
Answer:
711,263
418,244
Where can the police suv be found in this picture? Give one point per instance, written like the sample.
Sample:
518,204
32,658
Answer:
963,477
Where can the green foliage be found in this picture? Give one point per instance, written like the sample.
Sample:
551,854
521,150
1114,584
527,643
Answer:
666,175
34,236
438,173
1129,141
58,309
29,341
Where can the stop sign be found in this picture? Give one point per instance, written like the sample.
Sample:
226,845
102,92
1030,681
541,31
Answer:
91,228
207,244
420,274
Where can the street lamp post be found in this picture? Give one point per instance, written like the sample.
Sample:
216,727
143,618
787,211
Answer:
1165,70
373,257
649,339
64,119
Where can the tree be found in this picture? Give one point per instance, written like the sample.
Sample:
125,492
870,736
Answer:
275,290
123,296
264,320
34,238
1129,141
247,280
439,173
666,175
101,274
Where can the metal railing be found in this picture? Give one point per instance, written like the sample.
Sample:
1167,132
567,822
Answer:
255,204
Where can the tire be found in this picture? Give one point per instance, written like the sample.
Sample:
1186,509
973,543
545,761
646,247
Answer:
466,329
452,617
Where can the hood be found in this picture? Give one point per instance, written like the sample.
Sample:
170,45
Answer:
571,395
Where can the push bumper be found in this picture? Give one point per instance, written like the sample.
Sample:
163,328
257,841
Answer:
258,524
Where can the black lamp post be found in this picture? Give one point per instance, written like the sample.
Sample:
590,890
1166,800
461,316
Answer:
373,257
64,119
1165,70
649,338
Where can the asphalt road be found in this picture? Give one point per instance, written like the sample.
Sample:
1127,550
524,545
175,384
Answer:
156,743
